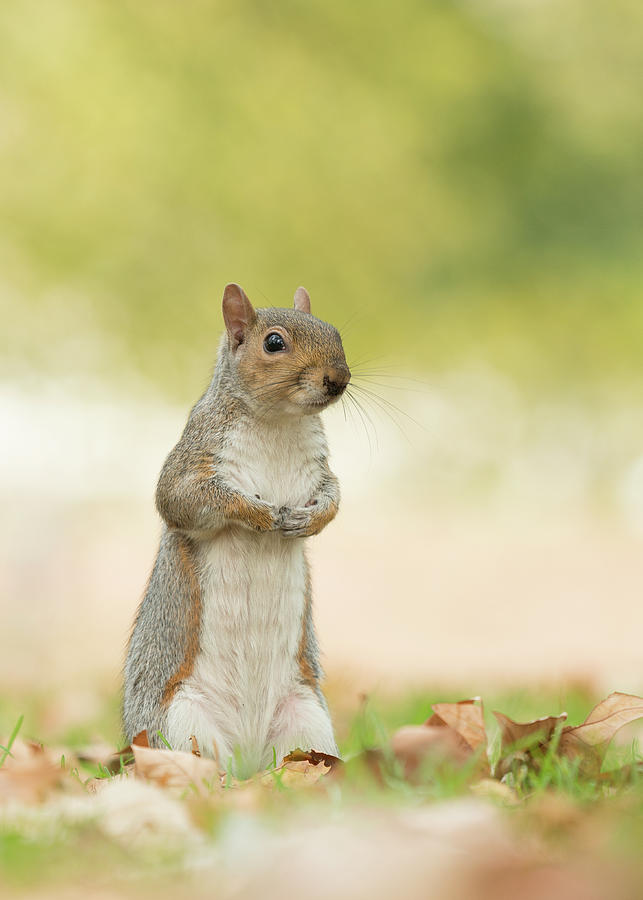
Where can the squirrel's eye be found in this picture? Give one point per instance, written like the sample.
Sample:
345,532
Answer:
274,342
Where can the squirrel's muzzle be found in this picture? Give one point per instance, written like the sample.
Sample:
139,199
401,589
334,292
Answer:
336,380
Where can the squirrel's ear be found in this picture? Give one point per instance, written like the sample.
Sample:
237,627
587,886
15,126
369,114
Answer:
302,300
238,313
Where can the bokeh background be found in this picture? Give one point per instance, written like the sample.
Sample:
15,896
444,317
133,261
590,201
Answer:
459,185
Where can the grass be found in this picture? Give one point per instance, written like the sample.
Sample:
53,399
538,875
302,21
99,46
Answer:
14,734
551,799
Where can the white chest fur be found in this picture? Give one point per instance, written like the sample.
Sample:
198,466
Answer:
253,595
280,463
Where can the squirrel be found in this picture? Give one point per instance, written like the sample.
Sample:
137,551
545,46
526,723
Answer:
223,646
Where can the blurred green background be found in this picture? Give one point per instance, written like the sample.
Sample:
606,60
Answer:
460,178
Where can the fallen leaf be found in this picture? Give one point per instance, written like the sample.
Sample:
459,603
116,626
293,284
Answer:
96,785
313,756
195,745
295,774
466,718
29,772
524,743
589,742
454,733
616,703
525,735
412,745
174,768
141,739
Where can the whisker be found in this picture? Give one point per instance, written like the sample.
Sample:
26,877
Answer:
376,373
272,384
350,321
273,388
370,420
365,362
389,387
375,396
387,412
287,395
359,411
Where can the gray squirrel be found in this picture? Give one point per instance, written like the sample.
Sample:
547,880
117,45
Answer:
223,646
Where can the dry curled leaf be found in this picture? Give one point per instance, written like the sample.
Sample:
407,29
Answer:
301,768
29,772
413,745
523,743
295,774
455,734
174,768
96,785
589,742
526,742
313,756
521,735
466,718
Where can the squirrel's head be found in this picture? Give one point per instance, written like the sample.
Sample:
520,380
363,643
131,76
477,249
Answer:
286,360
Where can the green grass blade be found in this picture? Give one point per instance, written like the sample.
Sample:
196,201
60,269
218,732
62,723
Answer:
14,735
164,739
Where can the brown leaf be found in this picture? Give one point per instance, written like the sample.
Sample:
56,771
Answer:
96,785
466,718
174,768
524,742
29,772
313,756
413,744
141,739
455,733
589,742
295,773
526,734
195,745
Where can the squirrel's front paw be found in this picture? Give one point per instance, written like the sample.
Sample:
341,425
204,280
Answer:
295,522
263,516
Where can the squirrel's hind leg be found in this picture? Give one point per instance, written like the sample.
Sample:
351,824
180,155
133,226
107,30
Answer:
300,721
188,716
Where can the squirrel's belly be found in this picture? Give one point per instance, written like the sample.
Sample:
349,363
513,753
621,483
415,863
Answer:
253,594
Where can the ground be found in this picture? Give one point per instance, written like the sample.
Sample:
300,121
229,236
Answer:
376,824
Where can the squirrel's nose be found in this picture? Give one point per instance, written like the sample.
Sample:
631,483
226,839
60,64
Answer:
335,382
